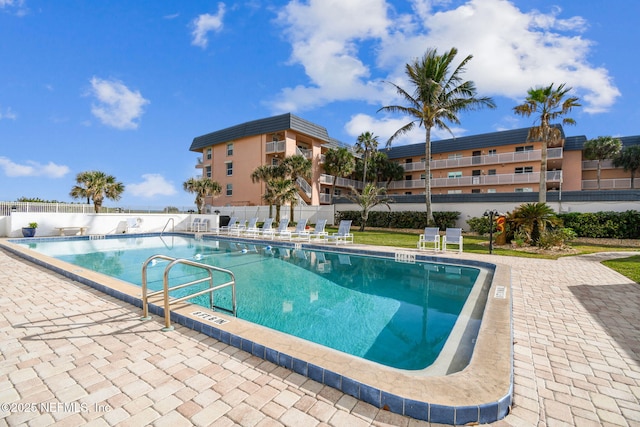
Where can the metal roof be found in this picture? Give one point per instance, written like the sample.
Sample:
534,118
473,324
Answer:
258,127
486,140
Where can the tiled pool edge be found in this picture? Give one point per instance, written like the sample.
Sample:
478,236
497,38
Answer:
436,413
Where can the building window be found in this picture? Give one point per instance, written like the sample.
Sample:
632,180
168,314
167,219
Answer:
455,156
230,149
229,168
524,148
493,152
525,169
337,192
491,190
524,190
209,153
456,174
208,171
454,192
229,189
424,176
492,171
407,193
408,160
475,191
408,177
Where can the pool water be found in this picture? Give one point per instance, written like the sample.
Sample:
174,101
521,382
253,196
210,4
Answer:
397,314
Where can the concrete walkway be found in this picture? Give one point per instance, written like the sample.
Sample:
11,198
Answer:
577,359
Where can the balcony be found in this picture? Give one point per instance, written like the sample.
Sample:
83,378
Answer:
340,182
502,158
484,180
304,152
593,164
199,163
275,147
608,184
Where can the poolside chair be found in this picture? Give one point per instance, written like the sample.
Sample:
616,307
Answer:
431,236
283,229
203,226
288,234
233,224
343,235
267,228
193,226
250,228
318,233
453,236
134,225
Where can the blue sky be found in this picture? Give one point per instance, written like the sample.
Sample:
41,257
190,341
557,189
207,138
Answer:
124,86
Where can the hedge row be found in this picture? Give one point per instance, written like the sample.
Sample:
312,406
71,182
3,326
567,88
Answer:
407,219
618,225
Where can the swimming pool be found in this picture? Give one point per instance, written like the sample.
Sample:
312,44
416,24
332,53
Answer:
480,392
395,313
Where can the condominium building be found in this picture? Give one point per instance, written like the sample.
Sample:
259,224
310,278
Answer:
497,162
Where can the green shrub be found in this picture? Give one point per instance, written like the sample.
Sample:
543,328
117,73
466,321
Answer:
480,225
556,237
620,225
400,220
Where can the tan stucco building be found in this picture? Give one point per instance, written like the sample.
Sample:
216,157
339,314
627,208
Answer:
497,162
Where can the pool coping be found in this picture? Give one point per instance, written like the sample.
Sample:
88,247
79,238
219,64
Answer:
482,392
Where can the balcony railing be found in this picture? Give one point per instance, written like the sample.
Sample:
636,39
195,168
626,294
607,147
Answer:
593,164
304,186
200,163
513,157
275,147
465,181
306,153
608,184
340,182
325,198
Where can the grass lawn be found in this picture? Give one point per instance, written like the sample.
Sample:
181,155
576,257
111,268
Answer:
630,267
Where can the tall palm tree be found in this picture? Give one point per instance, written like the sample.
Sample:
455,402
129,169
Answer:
267,173
202,187
297,167
338,162
280,190
549,104
371,196
366,143
97,185
438,93
629,159
602,148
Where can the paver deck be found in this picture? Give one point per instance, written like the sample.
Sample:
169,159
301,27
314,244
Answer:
576,346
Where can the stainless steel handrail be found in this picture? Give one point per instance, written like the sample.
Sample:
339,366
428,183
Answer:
173,226
165,287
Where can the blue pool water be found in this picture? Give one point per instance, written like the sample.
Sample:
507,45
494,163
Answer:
397,314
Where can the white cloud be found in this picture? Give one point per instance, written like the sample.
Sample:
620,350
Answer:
117,105
347,48
8,114
151,186
206,23
31,168
14,6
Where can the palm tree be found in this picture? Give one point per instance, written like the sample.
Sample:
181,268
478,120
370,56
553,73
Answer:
365,144
371,196
267,173
533,219
437,95
550,104
629,159
280,190
202,187
385,170
297,166
338,162
97,185
602,148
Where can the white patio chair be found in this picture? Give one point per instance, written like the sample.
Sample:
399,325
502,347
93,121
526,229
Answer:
343,235
282,230
452,236
301,226
233,224
431,236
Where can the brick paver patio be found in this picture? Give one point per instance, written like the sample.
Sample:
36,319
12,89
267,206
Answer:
577,358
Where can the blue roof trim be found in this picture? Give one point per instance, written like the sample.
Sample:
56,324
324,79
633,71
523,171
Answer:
258,127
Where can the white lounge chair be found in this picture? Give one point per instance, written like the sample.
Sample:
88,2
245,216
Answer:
318,233
250,228
343,235
431,236
283,229
193,226
203,226
134,225
301,225
453,236
267,228
233,224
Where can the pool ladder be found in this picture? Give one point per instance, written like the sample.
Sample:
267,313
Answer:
165,287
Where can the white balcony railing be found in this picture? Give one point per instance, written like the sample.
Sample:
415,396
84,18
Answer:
593,164
304,152
609,184
275,147
304,186
513,157
465,181
340,182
